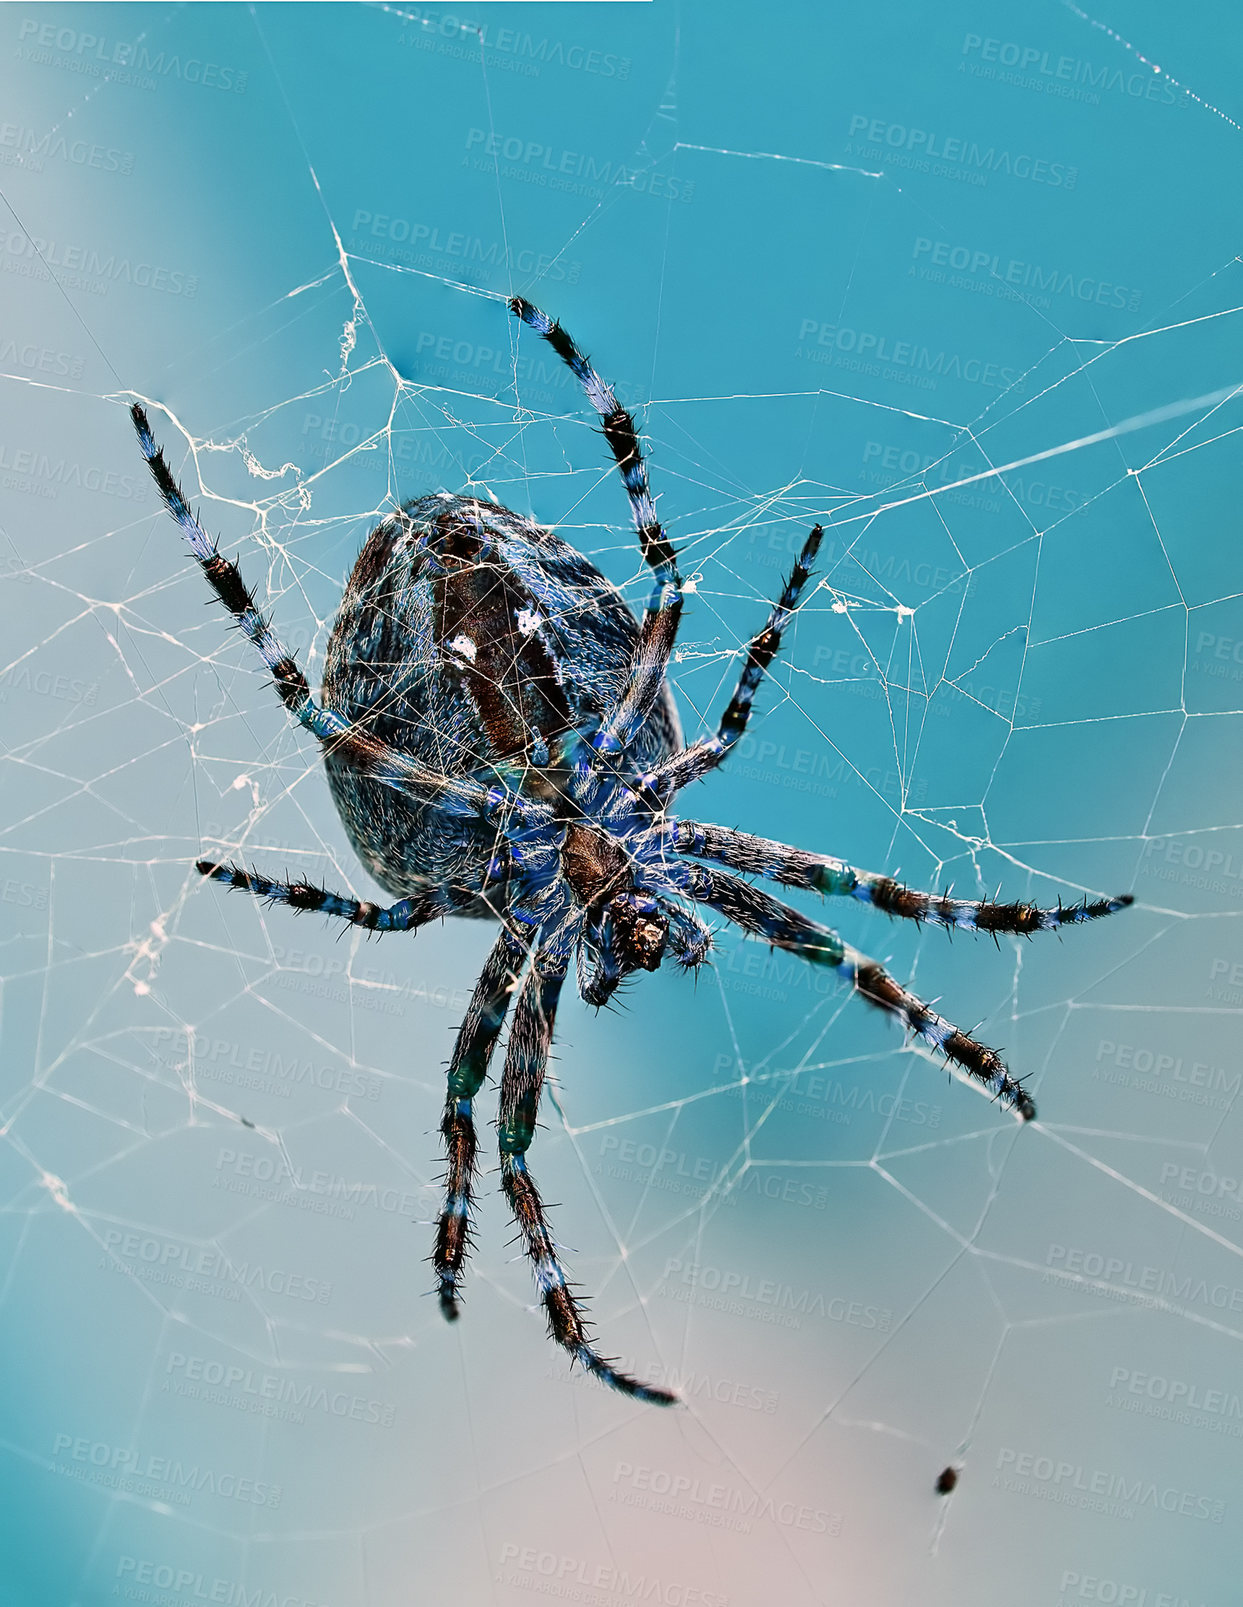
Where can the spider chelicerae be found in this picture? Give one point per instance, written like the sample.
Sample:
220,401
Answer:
501,742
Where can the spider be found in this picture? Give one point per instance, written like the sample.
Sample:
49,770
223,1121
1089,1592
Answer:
501,742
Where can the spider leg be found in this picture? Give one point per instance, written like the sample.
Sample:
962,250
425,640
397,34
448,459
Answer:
708,752
407,915
472,1053
785,928
526,1058
664,609
757,856
375,758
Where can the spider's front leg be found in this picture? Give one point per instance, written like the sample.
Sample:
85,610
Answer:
694,762
659,628
792,867
406,915
526,1059
392,767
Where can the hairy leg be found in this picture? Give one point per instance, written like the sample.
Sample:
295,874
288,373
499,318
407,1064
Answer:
785,928
704,755
374,758
659,628
792,867
407,915
472,1054
526,1059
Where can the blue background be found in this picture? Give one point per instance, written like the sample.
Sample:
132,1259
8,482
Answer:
842,259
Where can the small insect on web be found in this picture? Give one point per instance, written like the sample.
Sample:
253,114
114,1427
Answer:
501,742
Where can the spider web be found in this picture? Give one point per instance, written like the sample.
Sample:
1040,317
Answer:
1010,395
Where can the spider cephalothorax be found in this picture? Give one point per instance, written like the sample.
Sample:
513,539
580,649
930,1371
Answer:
501,742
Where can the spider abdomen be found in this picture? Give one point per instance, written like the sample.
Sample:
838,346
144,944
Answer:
472,640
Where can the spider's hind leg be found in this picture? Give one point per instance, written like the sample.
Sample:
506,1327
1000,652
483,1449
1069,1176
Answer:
526,1059
472,1053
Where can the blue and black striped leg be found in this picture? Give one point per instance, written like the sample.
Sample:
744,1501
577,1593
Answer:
367,753
430,904
785,928
472,1054
526,1058
792,867
664,609
708,752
